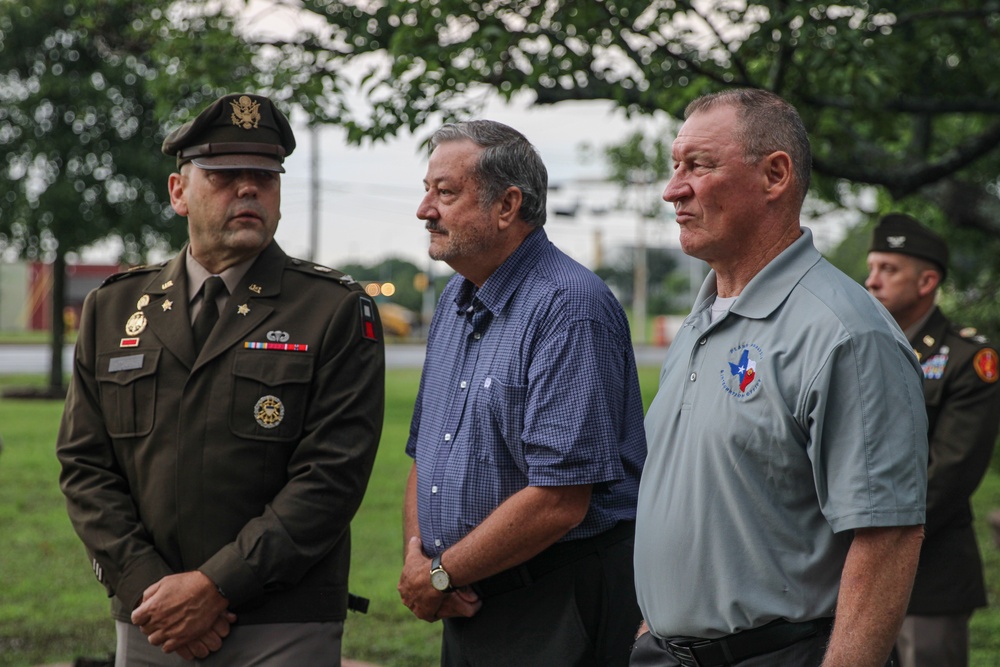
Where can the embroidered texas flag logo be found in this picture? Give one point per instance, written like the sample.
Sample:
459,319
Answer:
746,370
741,377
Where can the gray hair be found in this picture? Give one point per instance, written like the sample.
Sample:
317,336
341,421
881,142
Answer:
767,124
508,160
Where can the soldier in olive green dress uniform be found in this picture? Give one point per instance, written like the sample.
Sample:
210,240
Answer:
223,418
906,264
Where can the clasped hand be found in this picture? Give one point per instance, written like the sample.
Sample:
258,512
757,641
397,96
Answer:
426,602
184,613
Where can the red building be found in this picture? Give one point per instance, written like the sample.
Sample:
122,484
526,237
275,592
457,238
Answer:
80,279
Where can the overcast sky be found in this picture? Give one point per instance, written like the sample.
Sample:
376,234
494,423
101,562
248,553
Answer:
369,195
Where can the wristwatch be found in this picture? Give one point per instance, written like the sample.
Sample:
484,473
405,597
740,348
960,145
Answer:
439,578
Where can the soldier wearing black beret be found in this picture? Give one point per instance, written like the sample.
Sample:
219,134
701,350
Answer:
907,263
222,419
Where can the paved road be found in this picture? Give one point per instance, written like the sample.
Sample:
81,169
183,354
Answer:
15,359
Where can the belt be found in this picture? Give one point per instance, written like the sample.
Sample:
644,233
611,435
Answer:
556,556
742,645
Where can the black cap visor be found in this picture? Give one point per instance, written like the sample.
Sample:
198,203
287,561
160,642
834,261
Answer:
217,157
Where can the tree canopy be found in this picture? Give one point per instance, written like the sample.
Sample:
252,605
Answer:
85,88
900,95
897,95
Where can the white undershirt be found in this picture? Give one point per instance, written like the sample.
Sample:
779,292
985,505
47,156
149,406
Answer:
721,306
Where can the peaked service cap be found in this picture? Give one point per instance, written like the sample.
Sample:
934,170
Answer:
897,232
239,131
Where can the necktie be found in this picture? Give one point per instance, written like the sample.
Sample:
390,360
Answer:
209,314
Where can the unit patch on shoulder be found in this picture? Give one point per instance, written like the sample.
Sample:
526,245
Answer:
368,318
987,365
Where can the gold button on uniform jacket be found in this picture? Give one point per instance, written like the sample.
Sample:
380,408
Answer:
246,462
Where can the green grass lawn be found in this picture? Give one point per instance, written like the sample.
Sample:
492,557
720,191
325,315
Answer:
52,609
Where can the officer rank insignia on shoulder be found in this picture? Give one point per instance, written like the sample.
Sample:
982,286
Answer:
987,365
970,333
133,271
343,279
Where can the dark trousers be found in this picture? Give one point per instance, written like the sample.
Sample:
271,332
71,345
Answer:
806,653
583,614
934,641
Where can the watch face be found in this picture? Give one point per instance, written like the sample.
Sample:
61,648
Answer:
440,580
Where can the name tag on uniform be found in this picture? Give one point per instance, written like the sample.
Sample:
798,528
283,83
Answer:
129,363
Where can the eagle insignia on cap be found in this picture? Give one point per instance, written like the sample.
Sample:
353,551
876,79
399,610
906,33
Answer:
896,241
246,112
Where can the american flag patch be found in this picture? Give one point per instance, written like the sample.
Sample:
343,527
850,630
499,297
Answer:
368,318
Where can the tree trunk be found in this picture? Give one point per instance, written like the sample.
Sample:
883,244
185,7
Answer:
56,388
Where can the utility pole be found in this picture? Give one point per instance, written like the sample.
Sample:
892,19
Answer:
314,194
640,280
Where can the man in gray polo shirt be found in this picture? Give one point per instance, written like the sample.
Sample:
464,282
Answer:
786,475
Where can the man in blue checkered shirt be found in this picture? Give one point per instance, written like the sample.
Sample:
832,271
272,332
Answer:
527,433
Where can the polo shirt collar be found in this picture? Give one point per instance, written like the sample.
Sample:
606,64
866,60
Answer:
772,285
498,289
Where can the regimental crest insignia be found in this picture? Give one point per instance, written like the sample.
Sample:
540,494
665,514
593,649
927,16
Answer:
246,113
741,375
269,411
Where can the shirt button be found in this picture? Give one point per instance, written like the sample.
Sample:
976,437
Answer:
463,384
447,437
434,489
437,543
477,336
694,376
702,341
